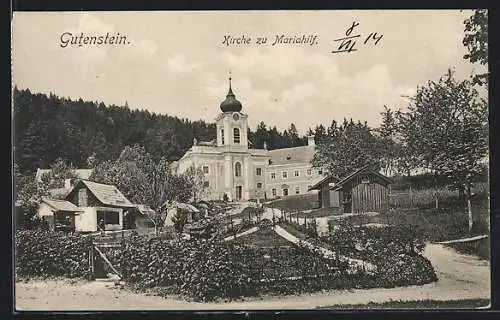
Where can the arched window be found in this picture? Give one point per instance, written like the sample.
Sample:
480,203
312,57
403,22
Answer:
237,169
236,135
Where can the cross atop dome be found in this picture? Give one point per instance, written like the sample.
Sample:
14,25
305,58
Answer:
230,104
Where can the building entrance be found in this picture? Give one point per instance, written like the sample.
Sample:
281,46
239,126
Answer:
239,192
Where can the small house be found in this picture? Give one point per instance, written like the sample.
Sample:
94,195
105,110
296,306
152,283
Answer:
140,218
58,215
364,190
102,206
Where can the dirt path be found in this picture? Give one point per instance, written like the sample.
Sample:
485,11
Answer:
460,277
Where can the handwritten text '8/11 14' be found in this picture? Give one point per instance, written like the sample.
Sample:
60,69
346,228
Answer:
347,43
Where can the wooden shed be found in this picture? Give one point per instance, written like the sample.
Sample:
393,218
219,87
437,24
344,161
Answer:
364,190
326,197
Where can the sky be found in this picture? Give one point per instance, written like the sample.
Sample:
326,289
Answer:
176,63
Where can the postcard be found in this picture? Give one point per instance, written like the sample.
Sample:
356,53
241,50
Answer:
250,160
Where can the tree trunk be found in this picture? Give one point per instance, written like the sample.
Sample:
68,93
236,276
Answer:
436,194
411,197
469,206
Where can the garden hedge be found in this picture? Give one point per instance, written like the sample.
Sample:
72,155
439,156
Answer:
395,250
42,254
207,270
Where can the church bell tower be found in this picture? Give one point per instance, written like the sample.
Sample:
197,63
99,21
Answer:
232,124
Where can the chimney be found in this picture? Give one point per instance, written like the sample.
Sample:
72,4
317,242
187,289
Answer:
310,141
265,145
67,184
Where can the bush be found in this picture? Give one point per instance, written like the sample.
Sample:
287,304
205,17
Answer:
308,230
42,254
395,250
404,270
208,270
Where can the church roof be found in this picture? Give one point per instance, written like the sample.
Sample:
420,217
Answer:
303,154
230,104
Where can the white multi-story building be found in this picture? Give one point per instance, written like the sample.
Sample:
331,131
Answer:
230,167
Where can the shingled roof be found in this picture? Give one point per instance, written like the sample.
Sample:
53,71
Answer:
303,154
366,168
107,194
328,179
61,205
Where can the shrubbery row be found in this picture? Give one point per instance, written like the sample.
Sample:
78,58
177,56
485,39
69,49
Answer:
206,270
41,254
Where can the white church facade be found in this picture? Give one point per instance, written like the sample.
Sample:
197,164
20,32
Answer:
232,168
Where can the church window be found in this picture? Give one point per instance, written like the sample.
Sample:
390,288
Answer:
273,175
258,171
205,170
297,190
222,136
274,191
259,185
236,135
296,173
284,174
237,169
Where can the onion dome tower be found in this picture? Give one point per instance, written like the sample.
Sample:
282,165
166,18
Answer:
230,104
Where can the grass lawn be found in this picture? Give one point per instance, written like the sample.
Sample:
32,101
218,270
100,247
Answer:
264,237
244,213
296,202
421,304
317,213
293,231
480,248
436,224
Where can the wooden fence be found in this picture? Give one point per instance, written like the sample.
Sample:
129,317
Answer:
418,198
100,246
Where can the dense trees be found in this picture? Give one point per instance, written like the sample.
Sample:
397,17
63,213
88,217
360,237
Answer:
51,127
346,148
476,41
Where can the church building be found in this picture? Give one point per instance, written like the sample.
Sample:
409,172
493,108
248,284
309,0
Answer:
234,169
